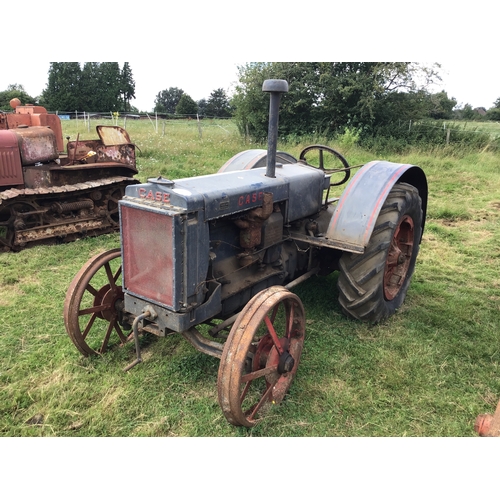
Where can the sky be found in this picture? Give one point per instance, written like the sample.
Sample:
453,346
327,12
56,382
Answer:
196,79
198,46
475,83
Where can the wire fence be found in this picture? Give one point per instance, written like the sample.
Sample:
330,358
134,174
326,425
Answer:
474,127
157,120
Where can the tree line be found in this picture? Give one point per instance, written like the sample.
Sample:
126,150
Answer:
175,101
324,98
93,87
328,98
105,86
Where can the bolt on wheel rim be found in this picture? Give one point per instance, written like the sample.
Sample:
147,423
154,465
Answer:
91,308
399,257
261,355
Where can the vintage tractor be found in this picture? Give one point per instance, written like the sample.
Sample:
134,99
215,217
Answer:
203,255
47,195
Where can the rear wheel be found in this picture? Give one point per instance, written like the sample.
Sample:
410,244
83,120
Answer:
372,286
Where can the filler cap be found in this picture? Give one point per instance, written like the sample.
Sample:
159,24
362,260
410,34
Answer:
275,86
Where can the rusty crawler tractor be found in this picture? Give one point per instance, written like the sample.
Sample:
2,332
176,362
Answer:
48,196
203,255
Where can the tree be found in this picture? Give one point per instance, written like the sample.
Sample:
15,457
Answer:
90,87
13,91
110,82
128,86
202,107
96,87
326,97
63,87
186,106
494,112
218,104
441,106
466,113
166,101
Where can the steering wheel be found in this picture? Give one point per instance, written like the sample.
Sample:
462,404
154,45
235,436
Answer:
345,166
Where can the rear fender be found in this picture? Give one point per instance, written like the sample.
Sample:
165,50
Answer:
357,209
254,158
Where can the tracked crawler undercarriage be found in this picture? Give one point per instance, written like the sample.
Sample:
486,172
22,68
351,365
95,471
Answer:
60,213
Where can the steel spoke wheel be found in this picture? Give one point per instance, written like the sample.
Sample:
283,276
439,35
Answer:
93,304
261,355
112,200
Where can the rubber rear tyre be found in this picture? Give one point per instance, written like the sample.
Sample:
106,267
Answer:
373,286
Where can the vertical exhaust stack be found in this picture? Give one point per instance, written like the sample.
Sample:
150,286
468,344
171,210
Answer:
275,88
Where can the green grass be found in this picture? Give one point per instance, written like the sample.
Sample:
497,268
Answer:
492,128
427,371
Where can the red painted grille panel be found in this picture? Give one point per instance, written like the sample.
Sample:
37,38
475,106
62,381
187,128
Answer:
148,261
10,160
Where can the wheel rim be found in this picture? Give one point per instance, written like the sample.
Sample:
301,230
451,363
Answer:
112,206
261,355
92,305
399,257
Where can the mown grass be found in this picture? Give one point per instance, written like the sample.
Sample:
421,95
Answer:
427,371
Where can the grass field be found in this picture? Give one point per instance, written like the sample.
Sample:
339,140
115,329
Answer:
427,371
492,128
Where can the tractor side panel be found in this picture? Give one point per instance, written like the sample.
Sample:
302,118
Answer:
357,210
11,172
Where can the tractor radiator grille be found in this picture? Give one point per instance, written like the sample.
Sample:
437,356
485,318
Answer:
148,255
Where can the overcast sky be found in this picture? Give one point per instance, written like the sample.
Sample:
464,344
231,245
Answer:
474,83
198,46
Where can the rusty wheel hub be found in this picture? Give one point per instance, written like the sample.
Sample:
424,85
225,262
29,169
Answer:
109,301
398,257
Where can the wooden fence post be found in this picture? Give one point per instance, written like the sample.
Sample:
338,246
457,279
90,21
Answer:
199,125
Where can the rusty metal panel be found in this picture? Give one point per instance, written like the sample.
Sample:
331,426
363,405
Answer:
29,109
112,136
36,144
10,162
54,123
14,121
120,153
357,210
487,425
